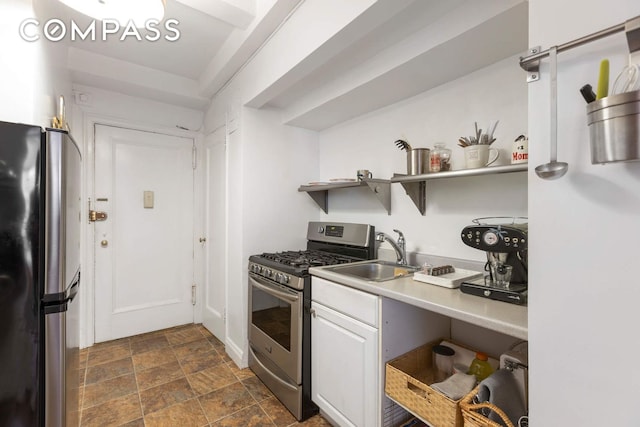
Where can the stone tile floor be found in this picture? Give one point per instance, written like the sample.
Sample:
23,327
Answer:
174,377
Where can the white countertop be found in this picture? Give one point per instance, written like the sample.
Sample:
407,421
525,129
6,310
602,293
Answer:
510,319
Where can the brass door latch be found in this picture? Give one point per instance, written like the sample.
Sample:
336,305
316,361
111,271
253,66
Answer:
97,216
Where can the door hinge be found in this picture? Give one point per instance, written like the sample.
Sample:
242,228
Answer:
193,294
194,153
224,315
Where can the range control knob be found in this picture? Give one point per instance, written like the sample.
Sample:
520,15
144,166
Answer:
282,278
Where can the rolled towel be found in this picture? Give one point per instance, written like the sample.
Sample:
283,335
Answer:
501,389
456,386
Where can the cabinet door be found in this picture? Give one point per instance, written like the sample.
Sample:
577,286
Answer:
344,372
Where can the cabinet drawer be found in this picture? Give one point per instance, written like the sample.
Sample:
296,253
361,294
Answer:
352,302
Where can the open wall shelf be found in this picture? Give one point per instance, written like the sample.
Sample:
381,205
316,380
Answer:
320,193
416,185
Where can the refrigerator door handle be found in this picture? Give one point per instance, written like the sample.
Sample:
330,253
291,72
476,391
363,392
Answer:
65,296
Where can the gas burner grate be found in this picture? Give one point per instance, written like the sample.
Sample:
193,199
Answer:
308,258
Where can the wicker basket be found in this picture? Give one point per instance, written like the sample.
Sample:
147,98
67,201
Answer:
473,418
407,382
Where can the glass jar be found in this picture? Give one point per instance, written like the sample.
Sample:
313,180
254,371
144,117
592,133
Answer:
480,366
440,158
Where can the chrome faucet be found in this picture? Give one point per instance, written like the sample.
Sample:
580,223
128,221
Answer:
399,246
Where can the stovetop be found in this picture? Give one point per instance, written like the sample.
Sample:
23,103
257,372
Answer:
327,244
308,258
299,262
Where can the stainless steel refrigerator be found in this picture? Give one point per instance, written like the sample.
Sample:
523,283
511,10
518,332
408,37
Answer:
40,206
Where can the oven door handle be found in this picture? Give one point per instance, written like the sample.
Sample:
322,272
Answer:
281,381
273,291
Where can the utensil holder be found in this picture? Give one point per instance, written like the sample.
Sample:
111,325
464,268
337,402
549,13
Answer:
418,161
614,128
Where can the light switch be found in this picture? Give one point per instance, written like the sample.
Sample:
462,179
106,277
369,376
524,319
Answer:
148,199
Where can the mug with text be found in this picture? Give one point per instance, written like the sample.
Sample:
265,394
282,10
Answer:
477,156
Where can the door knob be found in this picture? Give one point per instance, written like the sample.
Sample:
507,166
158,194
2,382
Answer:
203,239
104,243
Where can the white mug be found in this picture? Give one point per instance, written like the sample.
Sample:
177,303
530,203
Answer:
520,152
363,174
477,156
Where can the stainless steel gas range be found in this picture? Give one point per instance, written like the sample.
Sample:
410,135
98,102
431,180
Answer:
280,303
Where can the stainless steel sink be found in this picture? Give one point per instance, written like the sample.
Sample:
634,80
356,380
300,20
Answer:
375,271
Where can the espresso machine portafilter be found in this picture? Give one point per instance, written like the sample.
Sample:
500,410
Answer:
506,247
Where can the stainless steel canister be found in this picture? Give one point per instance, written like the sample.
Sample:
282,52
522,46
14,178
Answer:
418,161
614,128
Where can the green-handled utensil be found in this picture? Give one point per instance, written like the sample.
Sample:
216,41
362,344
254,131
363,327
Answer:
603,80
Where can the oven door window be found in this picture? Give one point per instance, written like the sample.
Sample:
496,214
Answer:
274,311
273,317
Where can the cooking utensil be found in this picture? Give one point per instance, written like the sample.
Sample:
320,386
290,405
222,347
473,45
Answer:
628,80
493,129
587,93
603,80
403,145
554,169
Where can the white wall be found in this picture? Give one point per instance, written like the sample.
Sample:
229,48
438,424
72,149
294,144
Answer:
266,213
134,110
439,115
583,313
267,160
31,76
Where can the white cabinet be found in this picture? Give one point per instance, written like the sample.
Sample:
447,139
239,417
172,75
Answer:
345,373
353,335
344,367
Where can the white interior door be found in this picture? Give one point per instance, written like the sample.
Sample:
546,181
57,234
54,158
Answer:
144,248
215,232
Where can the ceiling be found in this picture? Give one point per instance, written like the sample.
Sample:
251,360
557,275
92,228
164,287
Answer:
201,37
215,38
388,50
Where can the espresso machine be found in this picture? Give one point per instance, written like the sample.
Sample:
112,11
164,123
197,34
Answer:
505,242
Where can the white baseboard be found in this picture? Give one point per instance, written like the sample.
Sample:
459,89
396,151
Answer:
236,353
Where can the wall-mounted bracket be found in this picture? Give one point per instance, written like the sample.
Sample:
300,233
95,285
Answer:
632,30
416,190
321,198
382,191
531,67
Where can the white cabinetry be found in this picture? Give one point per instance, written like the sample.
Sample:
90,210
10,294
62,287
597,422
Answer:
353,335
344,348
